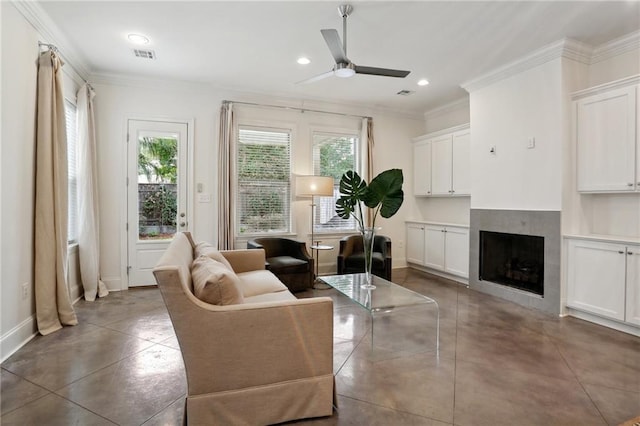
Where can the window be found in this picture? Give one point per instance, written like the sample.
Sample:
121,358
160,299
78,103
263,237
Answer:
264,191
72,170
333,155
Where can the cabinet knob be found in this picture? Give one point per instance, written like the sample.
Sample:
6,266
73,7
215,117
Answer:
620,251
630,184
629,253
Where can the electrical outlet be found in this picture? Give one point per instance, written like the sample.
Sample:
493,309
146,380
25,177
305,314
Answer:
25,291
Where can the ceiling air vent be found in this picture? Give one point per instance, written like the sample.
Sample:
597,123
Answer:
405,92
145,54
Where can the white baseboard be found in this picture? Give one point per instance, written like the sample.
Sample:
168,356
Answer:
17,337
113,283
605,322
455,278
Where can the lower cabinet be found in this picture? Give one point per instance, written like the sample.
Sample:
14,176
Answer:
439,247
604,279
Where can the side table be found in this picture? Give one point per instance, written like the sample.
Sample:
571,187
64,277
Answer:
316,249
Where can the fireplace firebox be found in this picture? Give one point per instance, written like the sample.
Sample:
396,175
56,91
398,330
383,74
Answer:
513,260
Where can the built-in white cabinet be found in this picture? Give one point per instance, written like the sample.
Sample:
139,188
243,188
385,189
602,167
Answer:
441,163
440,247
607,147
603,278
415,243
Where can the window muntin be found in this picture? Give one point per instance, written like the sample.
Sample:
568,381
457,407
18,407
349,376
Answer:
70,113
333,155
263,165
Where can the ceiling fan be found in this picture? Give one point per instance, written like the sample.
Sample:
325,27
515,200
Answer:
344,67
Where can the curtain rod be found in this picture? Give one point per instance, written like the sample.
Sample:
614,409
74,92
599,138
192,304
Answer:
54,48
297,109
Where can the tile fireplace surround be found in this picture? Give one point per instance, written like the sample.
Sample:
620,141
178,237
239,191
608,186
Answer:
523,222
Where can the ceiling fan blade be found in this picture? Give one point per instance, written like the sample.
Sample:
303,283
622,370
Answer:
332,39
317,77
386,72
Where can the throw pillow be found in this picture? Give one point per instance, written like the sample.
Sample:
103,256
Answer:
215,283
206,249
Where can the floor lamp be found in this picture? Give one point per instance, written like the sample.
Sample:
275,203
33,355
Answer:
314,186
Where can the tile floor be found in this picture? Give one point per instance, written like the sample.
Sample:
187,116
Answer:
498,364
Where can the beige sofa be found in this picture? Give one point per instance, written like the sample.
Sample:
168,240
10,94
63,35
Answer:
266,360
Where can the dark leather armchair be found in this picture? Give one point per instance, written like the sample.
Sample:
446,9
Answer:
288,259
351,256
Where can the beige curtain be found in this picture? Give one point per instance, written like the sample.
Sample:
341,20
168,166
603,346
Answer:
88,232
367,135
226,232
53,304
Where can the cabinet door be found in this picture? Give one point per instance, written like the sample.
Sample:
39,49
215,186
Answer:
633,285
441,165
456,251
461,161
596,278
422,168
606,141
434,247
415,243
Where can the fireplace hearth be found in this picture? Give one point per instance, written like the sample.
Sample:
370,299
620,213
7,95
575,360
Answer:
512,260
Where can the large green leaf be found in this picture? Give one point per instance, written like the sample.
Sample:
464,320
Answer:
385,189
352,189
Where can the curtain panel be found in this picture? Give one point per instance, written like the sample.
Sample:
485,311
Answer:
53,303
88,213
226,211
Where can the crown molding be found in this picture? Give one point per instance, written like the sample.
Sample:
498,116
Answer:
615,47
565,48
447,108
606,87
42,23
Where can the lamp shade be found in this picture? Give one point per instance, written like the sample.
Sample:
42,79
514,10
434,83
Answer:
308,186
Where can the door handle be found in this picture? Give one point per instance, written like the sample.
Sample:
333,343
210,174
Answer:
182,215
183,224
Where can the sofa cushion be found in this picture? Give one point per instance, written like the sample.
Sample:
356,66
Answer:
206,249
214,283
253,283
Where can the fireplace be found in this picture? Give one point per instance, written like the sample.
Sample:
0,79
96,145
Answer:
531,281
512,260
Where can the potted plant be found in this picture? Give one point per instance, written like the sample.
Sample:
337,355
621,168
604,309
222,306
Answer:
383,195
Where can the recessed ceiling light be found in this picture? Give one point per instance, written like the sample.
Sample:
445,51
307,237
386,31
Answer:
304,61
423,82
138,39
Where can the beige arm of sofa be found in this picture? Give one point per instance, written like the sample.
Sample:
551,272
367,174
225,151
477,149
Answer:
253,363
245,260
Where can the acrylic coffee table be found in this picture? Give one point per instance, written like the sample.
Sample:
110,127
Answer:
386,298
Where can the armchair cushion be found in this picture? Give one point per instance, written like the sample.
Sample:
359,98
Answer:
215,283
287,264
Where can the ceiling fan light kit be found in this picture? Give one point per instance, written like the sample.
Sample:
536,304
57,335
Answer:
343,66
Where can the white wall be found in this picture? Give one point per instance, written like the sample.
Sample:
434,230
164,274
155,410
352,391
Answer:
18,86
504,115
615,68
117,100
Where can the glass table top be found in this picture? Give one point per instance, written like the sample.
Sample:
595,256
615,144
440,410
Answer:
386,295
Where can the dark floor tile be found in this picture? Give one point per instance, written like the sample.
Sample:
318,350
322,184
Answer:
421,384
55,360
133,390
615,405
489,395
16,392
52,410
172,415
153,325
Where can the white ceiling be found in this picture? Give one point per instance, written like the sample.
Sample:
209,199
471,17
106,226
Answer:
253,46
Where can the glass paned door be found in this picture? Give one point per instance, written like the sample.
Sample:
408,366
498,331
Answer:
156,193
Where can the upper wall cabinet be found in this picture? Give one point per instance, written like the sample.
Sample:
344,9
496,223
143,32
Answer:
605,123
441,163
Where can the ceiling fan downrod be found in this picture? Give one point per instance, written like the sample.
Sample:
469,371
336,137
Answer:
344,11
